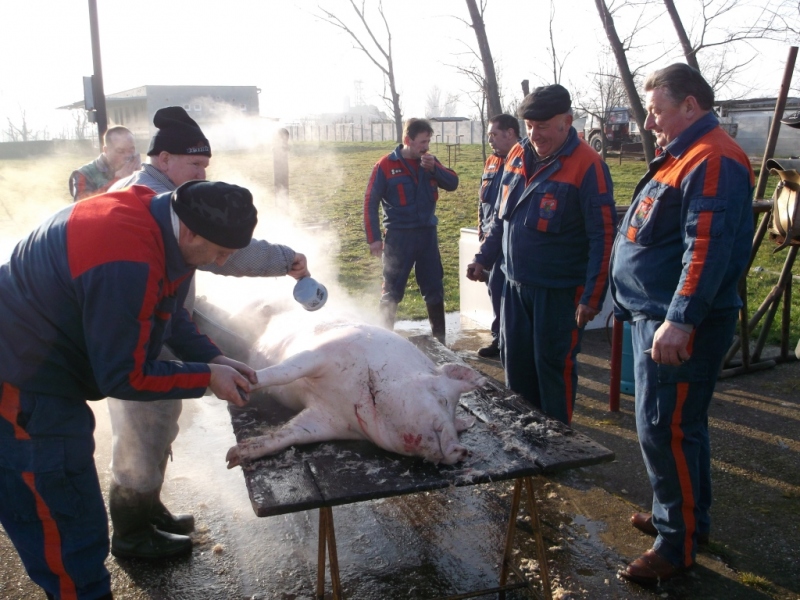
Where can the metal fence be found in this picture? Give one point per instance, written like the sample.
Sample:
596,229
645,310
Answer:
450,132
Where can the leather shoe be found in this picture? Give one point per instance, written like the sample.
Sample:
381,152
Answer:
650,569
644,523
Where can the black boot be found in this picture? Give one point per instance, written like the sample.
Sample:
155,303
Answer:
388,310
490,351
134,536
436,318
161,517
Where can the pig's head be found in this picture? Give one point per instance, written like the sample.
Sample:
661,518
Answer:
440,443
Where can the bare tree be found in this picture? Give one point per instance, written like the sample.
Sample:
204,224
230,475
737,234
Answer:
435,107
626,76
688,51
748,21
21,132
80,123
491,87
606,92
557,59
433,102
383,51
477,97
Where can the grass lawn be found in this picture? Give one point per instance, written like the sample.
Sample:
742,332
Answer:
327,184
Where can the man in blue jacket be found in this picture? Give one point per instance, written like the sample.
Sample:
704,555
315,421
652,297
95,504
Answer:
555,229
406,183
89,299
681,249
503,134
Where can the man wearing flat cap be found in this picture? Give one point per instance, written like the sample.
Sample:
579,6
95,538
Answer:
142,433
89,299
555,229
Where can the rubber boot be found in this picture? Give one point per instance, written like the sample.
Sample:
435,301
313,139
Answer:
134,536
388,310
436,318
162,518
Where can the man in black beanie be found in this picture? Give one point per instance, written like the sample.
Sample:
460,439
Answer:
143,432
178,152
89,299
555,229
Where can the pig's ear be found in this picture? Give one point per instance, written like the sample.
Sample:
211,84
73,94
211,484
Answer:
463,373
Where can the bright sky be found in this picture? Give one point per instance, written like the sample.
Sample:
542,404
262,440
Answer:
301,64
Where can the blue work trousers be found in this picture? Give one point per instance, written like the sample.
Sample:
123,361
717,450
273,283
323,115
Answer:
672,424
495,284
404,249
50,501
539,343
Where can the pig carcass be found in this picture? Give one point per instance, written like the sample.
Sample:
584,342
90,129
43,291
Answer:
353,381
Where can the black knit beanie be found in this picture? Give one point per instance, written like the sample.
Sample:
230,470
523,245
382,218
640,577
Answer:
177,133
220,212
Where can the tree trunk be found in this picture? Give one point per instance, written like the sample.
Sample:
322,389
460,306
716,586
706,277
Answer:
398,114
688,51
492,89
635,104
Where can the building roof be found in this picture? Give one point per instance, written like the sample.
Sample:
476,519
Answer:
143,90
750,104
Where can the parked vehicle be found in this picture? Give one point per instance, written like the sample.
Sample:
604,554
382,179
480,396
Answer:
620,128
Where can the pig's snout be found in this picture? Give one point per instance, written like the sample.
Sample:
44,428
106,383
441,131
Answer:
455,453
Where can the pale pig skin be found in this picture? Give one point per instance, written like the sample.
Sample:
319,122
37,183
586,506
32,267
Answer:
354,381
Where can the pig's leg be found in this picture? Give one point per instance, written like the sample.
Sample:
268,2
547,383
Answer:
464,423
461,377
311,425
450,450
303,364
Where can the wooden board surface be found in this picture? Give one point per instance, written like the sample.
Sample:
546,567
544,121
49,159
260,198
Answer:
509,440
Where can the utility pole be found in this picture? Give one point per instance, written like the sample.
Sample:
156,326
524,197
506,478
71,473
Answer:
98,94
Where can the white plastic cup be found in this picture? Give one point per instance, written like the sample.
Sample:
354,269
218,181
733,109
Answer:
310,293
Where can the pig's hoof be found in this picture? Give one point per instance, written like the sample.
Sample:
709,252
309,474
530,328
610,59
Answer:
233,458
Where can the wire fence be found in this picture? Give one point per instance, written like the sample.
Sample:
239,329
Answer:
445,132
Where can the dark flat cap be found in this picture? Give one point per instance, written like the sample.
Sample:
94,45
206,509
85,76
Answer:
792,120
220,212
544,103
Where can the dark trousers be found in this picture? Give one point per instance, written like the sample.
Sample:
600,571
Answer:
672,425
497,279
50,500
539,343
404,249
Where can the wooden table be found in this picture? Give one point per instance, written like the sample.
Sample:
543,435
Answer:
507,442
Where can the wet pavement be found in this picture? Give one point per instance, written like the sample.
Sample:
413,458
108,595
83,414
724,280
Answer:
421,546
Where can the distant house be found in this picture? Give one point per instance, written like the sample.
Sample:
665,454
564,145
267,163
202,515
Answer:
753,118
206,104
